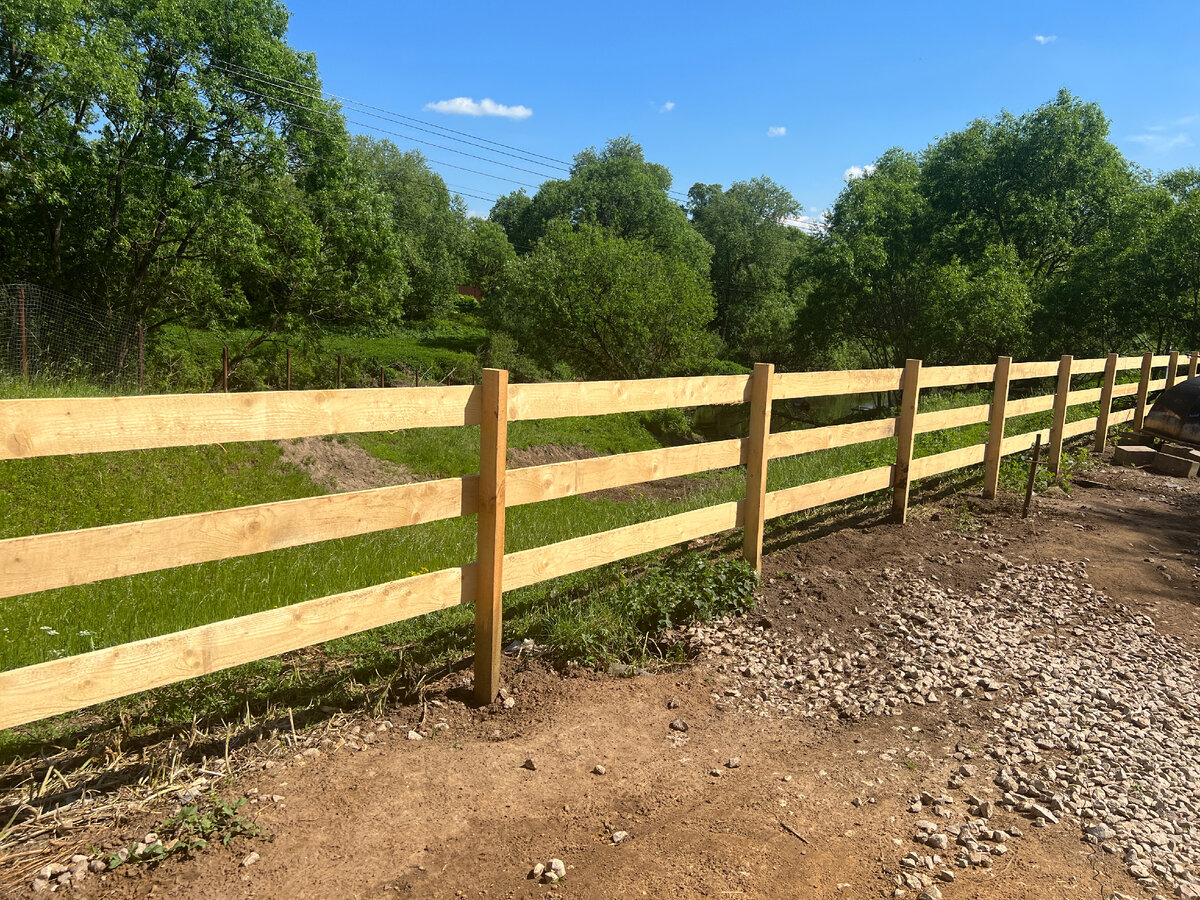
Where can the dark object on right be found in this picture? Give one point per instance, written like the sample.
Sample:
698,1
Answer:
1176,413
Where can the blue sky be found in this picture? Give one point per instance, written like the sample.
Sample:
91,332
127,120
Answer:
706,87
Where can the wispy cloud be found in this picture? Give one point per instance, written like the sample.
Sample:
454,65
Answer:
465,106
857,172
1045,39
777,131
809,224
667,107
1158,142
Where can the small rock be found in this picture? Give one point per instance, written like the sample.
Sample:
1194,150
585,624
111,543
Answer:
672,703
557,868
414,736
618,836
734,762
536,871
251,859
599,770
529,764
509,703
39,885
96,866
679,725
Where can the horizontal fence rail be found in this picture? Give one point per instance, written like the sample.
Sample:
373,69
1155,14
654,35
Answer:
50,427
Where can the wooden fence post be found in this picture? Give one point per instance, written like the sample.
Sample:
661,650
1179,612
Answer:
225,368
1106,392
289,368
489,607
1143,391
1172,368
910,387
339,371
756,463
1054,460
1193,363
382,377
994,452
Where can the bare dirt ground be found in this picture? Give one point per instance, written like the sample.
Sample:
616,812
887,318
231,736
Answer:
341,467
817,806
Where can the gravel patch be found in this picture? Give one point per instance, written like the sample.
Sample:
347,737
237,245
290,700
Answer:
1093,712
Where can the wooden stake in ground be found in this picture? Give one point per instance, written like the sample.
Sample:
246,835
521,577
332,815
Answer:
1106,394
289,368
910,387
1037,452
24,345
1060,414
756,463
1193,362
339,371
489,607
1143,392
1172,368
996,419
225,368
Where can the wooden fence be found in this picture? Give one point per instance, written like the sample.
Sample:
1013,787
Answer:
48,427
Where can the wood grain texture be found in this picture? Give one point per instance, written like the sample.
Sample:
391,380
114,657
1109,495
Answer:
791,443
1061,397
1108,384
947,376
1120,416
997,415
1088,366
543,563
489,600
1172,370
1086,395
949,418
57,426
1161,360
597,398
1028,405
1020,442
1024,370
818,493
1129,362
582,476
59,559
938,463
62,685
1193,365
756,464
1125,390
1143,392
1083,426
905,432
794,385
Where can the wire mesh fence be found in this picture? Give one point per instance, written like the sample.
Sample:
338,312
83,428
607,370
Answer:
46,333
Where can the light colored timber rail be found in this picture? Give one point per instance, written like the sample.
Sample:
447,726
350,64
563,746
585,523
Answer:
50,427
56,426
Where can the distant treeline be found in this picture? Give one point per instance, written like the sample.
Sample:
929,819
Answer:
177,163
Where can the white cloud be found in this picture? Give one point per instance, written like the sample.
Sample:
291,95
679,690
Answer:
1161,143
777,131
808,224
667,107
1045,39
857,172
465,106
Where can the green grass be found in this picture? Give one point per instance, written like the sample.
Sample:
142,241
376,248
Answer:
576,614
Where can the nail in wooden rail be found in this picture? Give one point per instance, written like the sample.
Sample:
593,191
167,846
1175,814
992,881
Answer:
489,611
1106,395
1054,460
1143,391
1172,368
910,385
995,444
756,463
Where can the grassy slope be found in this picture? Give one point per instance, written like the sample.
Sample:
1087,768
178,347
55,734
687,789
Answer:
72,492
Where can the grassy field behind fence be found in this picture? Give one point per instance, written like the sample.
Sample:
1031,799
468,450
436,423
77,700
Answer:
59,493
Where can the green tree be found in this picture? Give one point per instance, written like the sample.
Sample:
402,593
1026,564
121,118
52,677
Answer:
614,188
753,252
605,306
488,253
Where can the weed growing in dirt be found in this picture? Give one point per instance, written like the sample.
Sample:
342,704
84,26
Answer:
192,828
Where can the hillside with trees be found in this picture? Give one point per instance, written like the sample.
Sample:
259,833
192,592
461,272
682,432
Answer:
179,164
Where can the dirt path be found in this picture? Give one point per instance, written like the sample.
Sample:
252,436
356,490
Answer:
814,807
